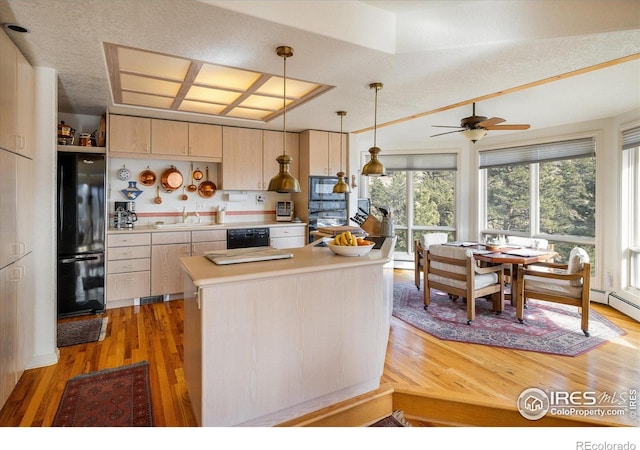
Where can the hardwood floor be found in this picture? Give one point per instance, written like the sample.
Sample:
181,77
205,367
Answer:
415,361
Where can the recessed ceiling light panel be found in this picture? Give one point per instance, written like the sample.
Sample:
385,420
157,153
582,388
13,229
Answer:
155,80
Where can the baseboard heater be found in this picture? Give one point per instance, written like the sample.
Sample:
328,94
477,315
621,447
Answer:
624,305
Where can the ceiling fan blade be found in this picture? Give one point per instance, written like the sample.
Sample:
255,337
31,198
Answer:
447,126
489,122
514,126
448,132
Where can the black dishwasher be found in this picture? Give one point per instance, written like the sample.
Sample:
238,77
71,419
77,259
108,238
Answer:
247,237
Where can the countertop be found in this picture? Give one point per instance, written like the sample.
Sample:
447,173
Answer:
204,226
307,259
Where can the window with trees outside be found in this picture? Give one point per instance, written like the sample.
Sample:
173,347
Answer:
419,190
631,210
544,191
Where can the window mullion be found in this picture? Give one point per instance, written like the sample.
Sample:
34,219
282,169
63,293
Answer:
534,207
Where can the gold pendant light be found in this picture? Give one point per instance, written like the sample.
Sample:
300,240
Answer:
341,187
284,182
374,167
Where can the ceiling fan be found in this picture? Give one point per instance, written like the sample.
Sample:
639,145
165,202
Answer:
475,127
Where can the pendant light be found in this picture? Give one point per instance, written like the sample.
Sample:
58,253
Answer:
341,187
284,182
374,167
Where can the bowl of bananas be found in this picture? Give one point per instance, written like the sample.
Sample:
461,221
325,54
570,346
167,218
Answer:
346,244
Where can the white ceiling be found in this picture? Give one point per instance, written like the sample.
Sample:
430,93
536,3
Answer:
428,54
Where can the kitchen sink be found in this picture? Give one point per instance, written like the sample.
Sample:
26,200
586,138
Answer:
186,225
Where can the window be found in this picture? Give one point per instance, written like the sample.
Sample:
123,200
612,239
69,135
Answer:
420,192
545,191
631,208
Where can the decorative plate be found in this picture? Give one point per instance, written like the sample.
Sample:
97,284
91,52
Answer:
124,174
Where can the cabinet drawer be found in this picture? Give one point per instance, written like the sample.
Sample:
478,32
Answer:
126,240
128,285
129,265
277,232
171,237
117,253
209,235
199,248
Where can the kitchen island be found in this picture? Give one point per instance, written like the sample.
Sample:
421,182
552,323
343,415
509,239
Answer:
269,341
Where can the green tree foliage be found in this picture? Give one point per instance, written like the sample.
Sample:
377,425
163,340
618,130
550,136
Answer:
434,198
567,197
508,198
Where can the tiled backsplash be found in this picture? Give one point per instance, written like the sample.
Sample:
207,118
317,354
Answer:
242,208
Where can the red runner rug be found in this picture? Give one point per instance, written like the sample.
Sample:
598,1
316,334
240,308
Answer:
117,397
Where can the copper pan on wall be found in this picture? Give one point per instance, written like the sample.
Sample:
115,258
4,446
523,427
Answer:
207,188
171,179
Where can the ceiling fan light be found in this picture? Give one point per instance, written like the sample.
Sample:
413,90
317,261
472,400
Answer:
474,134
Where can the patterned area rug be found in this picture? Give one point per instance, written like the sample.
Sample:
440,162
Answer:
548,327
117,397
396,419
81,331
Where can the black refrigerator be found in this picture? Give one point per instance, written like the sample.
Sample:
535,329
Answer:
81,233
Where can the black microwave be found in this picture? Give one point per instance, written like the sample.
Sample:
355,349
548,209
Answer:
321,189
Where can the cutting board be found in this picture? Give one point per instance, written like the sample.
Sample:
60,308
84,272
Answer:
334,231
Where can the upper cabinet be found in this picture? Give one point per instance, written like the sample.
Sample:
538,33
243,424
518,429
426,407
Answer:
249,157
205,140
131,135
320,153
272,147
137,137
242,159
169,137
16,99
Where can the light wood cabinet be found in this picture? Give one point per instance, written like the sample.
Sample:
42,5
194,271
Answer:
15,207
242,159
249,157
272,148
16,322
128,266
320,153
207,240
142,137
169,137
166,251
288,237
16,99
129,134
205,140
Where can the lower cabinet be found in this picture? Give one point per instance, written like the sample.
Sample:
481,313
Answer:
128,266
288,236
207,240
166,251
16,323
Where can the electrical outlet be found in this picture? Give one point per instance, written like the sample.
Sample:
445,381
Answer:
260,199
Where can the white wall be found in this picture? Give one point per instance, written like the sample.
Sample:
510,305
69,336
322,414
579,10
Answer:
44,227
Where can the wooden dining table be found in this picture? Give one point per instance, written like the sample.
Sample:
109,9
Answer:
515,256
509,254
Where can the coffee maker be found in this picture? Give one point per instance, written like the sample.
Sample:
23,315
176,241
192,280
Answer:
124,215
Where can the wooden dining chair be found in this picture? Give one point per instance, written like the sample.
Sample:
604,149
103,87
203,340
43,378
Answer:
567,284
420,249
454,270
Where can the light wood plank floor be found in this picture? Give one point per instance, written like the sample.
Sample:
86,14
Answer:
154,333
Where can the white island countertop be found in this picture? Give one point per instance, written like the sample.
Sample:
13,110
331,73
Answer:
311,258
